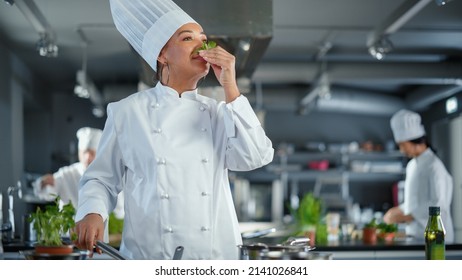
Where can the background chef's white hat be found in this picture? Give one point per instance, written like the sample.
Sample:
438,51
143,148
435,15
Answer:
148,24
406,125
89,138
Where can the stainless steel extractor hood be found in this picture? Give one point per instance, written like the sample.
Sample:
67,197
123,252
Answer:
242,27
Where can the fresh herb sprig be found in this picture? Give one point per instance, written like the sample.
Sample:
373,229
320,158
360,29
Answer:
207,46
52,223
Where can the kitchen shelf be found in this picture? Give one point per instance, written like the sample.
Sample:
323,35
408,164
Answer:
313,175
287,175
296,167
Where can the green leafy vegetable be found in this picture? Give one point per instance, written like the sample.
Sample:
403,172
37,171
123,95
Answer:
308,216
383,227
207,45
309,211
372,224
53,223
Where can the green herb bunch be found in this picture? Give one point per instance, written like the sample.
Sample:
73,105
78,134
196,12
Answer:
310,210
387,228
52,223
309,215
207,45
371,224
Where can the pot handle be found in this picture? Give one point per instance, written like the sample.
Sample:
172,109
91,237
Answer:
294,241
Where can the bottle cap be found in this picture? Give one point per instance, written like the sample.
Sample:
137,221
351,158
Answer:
434,210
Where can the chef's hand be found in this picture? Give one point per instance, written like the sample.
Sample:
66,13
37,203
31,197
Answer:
89,230
47,180
223,64
395,216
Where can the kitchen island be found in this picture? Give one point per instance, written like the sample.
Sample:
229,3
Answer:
342,250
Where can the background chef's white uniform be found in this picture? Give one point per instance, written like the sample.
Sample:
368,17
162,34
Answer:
428,183
66,184
67,178
171,157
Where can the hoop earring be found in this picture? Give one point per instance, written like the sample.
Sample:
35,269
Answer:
168,73
161,70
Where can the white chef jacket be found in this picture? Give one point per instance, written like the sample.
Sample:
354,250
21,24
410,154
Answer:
66,184
170,155
427,183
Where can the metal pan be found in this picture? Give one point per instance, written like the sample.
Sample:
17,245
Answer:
259,251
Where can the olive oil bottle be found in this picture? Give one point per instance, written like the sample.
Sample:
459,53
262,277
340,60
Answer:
435,248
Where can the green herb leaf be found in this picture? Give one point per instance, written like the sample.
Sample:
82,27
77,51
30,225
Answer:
207,46
53,223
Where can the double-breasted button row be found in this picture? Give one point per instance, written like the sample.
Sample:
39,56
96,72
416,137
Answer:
161,161
170,229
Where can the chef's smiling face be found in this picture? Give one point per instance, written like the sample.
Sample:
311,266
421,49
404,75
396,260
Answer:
180,53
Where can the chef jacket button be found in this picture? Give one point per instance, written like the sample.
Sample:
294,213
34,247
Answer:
158,130
155,106
205,160
169,229
204,194
202,108
204,129
205,229
165,196
161,161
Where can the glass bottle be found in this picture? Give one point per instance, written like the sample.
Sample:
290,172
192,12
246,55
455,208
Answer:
435,248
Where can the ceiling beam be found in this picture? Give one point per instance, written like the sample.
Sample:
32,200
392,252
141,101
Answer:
409,73
396,19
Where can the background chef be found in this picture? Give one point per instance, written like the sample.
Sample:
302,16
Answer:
65,182
427,183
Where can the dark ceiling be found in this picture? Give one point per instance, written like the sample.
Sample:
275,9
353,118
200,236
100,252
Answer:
293,44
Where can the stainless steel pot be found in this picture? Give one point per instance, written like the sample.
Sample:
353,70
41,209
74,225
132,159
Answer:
261,251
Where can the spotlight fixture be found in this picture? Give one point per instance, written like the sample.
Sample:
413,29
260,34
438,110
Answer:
442,2
381,47
377,42
46,47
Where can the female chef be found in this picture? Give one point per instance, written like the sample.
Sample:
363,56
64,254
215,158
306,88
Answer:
427,183
168,148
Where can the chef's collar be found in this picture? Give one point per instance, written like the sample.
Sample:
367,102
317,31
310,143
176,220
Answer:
424,156
190,94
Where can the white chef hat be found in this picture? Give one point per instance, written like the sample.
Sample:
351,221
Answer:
148,25
88,138
406,125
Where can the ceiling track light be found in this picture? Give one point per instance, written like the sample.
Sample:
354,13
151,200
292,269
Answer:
378,43
442,2
46,45
381,47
